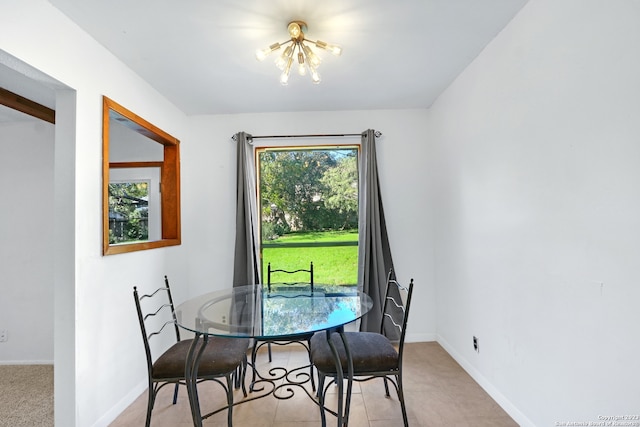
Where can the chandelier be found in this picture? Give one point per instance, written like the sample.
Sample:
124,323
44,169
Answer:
298,50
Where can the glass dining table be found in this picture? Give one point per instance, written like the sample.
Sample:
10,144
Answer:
253,312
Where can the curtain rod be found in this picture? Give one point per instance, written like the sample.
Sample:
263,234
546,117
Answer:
378,134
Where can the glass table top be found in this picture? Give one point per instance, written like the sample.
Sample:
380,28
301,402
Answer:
250,311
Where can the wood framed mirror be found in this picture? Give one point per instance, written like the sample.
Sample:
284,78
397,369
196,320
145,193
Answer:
141,183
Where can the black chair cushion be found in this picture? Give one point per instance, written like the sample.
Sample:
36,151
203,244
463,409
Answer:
221,356
370,352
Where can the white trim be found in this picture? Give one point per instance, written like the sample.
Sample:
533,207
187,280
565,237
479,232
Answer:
117,410
420,337
26,362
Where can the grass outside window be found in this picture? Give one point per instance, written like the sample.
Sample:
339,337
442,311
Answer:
333,265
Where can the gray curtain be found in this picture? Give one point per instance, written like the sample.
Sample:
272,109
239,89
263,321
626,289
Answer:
374,253
246,266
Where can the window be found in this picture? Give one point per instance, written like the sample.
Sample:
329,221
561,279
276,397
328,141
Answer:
308,201
134,205
128,212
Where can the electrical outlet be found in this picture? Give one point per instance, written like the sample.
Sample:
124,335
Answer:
4,335
476,345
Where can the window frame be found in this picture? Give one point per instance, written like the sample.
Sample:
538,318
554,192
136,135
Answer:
312,147
169,180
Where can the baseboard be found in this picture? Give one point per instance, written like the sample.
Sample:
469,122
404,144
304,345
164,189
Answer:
491,390
26,362
123,404
420,337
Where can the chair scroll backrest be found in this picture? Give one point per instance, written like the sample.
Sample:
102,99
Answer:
395,311
154,308
271,271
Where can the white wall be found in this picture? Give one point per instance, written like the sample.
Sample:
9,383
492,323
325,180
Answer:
208,187
98,354
535,150
26,241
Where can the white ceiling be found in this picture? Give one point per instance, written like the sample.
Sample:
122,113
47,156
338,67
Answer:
200,54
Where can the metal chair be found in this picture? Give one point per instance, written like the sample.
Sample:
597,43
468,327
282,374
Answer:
293,283
272,290
373,354
222,358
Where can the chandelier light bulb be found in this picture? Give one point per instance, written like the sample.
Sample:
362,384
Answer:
261,54
284,77
281,61
302,66
315,77
332,48
313,58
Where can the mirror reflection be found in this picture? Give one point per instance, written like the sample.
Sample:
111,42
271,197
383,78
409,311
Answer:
141,183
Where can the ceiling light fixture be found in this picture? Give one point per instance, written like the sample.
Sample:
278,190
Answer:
298,50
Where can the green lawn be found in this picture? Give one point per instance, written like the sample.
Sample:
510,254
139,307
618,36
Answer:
331,265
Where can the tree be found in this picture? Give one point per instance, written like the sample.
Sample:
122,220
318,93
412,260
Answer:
291,188
128,203
341,185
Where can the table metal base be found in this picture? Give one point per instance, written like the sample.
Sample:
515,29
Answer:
263,386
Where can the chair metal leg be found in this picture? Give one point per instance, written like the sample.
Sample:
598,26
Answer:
386,387
242,369
323,416
239,376
150,402
229,400
269,349
347,405
401,399
191,376
313,383
253,365
175,393
339,375
236,378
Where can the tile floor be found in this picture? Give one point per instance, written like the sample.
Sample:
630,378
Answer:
438,393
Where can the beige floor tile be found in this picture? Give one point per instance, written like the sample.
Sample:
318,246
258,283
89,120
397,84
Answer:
380,407
297,408
358,416
504,421
333,388
432,409
393,423
295,424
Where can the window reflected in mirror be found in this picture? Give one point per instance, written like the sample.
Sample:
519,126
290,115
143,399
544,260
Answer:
128,212
141,192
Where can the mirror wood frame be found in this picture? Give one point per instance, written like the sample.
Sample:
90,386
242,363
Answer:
169,181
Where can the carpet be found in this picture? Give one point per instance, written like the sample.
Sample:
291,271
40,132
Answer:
26,395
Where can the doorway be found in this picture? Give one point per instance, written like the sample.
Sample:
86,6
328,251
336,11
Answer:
39,163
